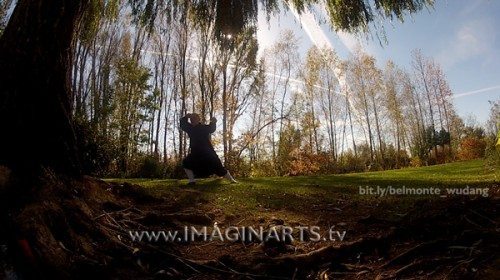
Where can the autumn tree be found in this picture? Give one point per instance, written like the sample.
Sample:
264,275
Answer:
131,85
281,60
162,83
364,82
393,101
493,123
331,97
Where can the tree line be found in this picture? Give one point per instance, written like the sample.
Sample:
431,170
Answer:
279,113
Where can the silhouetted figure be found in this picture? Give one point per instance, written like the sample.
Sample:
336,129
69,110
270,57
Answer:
202,161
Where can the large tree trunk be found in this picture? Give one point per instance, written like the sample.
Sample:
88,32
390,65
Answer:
35,79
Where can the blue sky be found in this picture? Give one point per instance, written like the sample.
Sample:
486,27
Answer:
462,36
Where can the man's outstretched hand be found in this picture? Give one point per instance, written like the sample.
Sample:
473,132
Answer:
213,119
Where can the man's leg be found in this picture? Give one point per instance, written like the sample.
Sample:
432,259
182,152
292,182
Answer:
229,177
190,175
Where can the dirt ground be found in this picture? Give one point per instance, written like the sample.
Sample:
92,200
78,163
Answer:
84,232
453,238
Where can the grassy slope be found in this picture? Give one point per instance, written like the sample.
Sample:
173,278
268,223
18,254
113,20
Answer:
296,197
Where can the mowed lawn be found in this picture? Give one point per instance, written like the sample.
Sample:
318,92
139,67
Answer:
299,198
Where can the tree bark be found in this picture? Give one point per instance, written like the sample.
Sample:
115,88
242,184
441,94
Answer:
35,93
348,107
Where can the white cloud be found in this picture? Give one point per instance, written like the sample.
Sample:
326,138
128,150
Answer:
474,38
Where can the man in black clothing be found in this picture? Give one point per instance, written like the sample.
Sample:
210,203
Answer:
202,161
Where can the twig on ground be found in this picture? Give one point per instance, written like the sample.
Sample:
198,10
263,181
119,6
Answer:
422,247
483,216
460,263
295,273
113,220
191,263
471,222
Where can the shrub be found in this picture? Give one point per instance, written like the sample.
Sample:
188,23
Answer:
96,151
351,163
471,147
492,154
416,161
237,165
304,163
150,167
263,168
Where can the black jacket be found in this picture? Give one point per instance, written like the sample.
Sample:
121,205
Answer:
199,136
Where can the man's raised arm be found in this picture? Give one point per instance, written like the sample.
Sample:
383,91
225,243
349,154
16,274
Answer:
212,125
184,124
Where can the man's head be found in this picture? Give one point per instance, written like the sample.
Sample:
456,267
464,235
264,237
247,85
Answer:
194,119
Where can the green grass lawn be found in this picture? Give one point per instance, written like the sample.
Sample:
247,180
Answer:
300,197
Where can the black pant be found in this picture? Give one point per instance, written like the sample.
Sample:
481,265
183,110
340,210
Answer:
204,164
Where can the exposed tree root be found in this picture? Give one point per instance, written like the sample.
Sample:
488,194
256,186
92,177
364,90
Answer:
327,254
79,229
422,248
442,243
71,227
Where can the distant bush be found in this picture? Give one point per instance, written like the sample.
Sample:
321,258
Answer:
440,154
150,167
262,168
350,163
96,151
416,161
375,166
304,163
492,154
471,147
238,166
328,165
